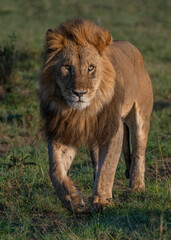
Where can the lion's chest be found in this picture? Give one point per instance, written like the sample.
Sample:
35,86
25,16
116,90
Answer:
76,129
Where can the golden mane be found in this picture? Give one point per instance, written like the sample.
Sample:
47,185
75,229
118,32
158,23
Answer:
93,124
81,32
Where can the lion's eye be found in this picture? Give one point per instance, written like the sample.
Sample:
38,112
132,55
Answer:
68,67
91,68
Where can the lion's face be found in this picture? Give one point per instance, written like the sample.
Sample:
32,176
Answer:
77,71
78,74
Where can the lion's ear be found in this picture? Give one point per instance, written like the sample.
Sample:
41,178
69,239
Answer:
54,40
103,39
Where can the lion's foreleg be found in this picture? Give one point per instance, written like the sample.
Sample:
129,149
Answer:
60,160
108,160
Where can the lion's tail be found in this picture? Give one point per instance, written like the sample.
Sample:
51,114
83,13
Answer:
126,150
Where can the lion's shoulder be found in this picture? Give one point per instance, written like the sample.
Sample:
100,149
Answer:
125,48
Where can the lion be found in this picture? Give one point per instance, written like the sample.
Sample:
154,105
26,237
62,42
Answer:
96,91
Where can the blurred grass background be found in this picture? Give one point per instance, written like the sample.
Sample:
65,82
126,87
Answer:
29,208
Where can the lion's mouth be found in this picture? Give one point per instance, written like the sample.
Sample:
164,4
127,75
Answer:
79,104
75,101
80,101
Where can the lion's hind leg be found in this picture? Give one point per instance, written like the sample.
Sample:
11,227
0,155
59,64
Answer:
126,150
60,160
139,126
94,153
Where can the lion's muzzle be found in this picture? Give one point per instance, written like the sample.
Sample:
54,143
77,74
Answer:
79,93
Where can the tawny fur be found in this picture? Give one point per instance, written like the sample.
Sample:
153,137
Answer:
80,125
118,90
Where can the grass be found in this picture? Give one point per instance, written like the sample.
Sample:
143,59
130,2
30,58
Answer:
29,208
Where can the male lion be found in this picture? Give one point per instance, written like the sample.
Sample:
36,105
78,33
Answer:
94,90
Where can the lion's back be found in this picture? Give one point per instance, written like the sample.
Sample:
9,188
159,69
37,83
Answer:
133,77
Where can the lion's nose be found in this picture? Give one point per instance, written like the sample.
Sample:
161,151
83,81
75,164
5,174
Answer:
79,93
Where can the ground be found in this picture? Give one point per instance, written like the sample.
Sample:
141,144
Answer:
29,208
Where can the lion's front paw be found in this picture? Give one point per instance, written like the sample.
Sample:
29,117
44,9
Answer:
74,203
79,208
100,204
78,205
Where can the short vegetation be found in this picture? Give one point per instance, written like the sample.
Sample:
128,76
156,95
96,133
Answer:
29,208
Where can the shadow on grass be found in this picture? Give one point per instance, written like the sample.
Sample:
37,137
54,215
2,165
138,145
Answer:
161,105
131,223
39,212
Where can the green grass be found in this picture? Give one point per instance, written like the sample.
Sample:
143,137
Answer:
29,208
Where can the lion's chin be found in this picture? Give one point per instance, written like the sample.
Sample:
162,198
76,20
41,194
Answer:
78,105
